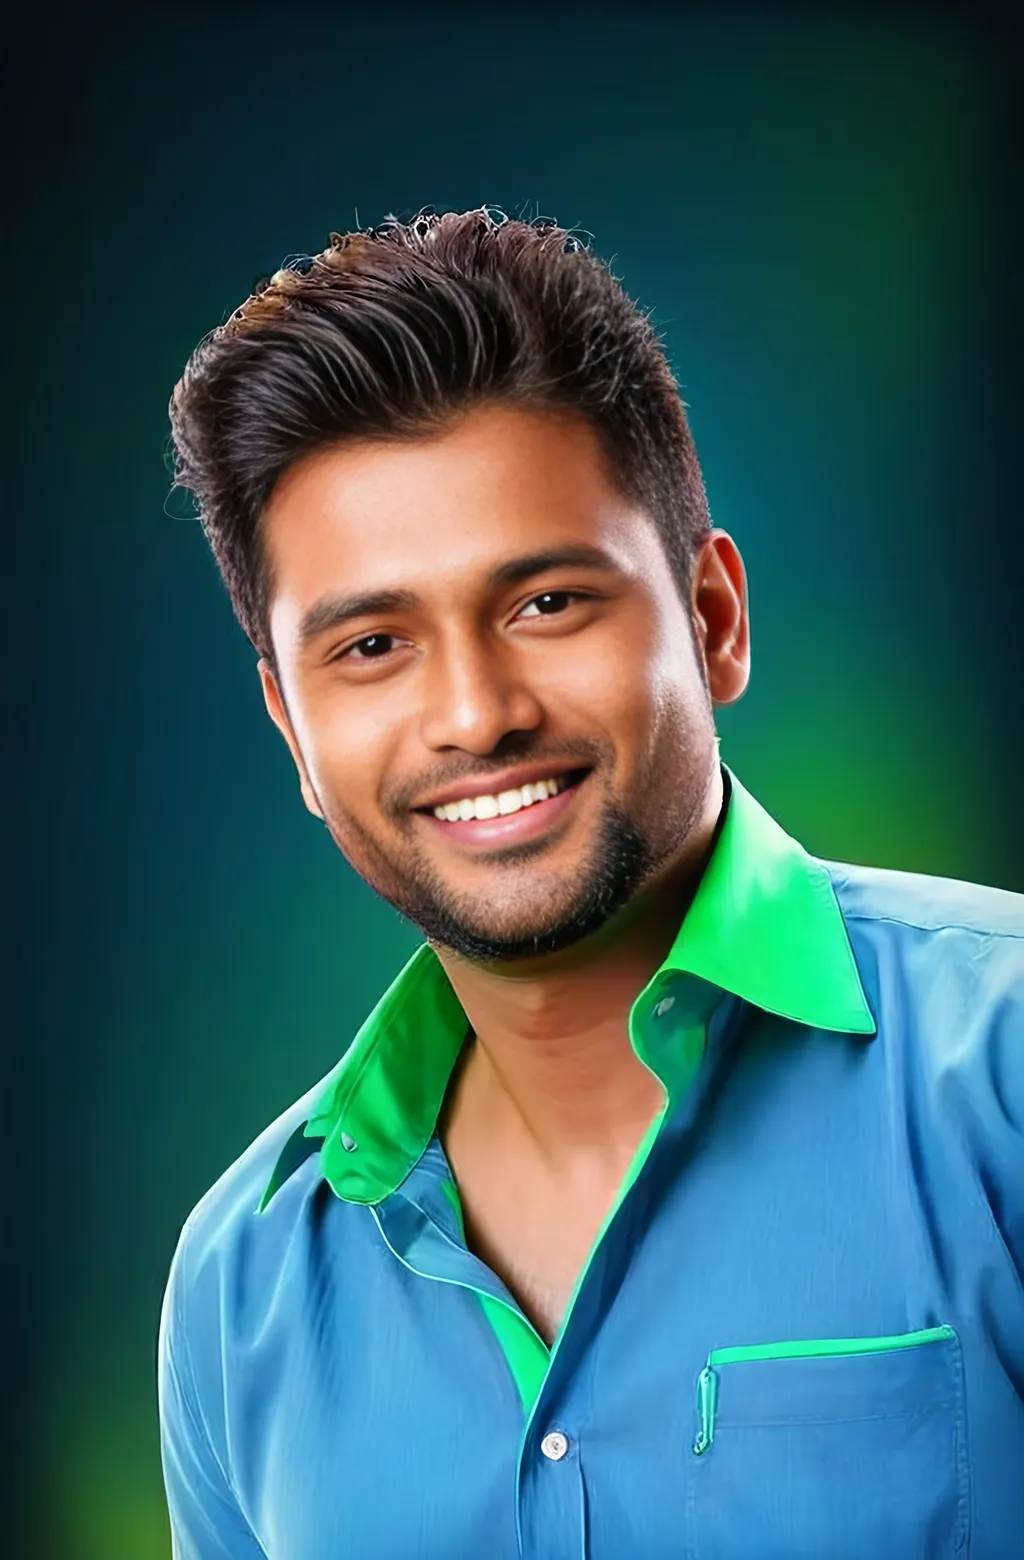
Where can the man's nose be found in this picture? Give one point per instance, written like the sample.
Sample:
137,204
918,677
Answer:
473,695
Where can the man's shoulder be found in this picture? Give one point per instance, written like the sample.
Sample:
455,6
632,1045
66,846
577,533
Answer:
921,903
226,1220
942,962
223,1283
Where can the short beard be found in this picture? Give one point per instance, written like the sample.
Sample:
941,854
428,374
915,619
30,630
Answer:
623,860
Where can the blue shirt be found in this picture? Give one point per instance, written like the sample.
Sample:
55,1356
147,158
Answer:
799,1332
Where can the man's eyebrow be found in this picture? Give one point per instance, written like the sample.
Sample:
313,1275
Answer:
333,612
571,555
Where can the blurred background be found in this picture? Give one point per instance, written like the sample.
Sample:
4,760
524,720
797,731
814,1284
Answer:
815,205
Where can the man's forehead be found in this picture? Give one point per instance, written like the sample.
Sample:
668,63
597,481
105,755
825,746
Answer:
492,459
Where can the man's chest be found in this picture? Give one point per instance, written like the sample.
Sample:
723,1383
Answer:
531,1226
537,1243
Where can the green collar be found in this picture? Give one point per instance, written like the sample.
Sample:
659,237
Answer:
764,924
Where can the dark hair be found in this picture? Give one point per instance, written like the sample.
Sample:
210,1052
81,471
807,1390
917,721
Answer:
391,332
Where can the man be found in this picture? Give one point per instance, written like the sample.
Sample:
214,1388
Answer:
669,1201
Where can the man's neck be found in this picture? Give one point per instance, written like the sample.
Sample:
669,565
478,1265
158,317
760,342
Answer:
550,1066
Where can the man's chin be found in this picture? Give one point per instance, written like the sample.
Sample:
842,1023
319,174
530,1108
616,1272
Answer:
508,944
513,925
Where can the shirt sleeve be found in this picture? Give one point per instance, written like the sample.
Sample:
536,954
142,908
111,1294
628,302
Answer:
1001,1103
990,1052
206,1523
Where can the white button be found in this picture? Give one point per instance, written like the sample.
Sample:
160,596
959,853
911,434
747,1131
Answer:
663,1006
555,1445
349,1144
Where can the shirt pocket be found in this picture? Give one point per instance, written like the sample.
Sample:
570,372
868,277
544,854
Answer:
845,1447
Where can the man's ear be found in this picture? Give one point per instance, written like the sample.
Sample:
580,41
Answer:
719,612
276,709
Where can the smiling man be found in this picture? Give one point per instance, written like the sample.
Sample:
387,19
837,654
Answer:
670,1199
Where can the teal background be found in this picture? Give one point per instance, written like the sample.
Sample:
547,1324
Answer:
815,208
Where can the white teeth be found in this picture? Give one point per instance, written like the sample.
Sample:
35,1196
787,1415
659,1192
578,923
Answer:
505,802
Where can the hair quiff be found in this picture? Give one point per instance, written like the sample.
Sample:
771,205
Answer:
392,331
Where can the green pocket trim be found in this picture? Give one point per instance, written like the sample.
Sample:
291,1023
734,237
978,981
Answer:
822,1347
818,1348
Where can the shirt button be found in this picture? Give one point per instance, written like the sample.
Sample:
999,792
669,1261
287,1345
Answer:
663,1006
555,1445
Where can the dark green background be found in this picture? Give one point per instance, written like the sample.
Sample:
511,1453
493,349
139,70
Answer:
816,209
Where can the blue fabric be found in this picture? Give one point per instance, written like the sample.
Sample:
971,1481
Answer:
331,1389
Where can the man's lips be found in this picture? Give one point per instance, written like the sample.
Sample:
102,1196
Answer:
509,828
493,785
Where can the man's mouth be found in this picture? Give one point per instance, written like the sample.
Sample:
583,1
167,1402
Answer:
505,817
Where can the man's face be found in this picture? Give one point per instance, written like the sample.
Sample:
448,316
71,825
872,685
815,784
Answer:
470,680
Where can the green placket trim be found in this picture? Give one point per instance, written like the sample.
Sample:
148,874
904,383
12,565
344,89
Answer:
529,1359
684,1052
525,1350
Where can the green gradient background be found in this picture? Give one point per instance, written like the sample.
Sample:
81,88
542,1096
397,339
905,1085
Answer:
811,206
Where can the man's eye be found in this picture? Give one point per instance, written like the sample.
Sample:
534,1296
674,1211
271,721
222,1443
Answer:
557,601
376,645
373,647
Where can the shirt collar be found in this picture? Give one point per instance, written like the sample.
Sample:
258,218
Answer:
764,924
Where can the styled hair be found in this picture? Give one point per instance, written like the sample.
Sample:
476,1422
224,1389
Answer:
393,331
